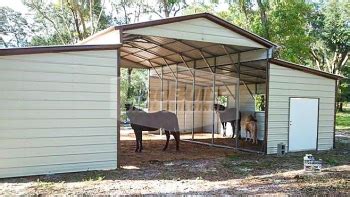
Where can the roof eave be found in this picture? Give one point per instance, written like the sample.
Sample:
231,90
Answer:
56,49
305,69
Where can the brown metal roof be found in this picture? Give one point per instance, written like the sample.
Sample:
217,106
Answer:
305,69
208,16
55,49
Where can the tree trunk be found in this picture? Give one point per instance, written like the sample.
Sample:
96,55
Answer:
341,109
166,8
263,18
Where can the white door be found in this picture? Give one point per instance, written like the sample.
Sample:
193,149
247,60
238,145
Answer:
303,121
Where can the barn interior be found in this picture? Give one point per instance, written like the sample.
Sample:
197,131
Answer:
188,77
194,62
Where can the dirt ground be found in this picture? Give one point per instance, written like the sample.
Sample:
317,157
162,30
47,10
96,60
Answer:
153,145
209,171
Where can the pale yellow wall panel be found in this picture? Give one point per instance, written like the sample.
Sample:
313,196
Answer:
286,83
54,102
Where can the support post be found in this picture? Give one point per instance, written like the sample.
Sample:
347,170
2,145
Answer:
214,80
193,97
149,91
176,87
267,85
238,99
118,107
161,96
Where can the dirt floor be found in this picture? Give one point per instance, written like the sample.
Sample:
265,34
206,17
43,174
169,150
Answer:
209,171
153,145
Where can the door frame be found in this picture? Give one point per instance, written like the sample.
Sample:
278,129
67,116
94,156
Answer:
318,119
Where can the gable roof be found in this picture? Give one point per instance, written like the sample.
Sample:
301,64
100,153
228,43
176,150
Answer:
264,42
208,16
305,69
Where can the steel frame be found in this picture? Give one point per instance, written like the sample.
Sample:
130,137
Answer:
213,69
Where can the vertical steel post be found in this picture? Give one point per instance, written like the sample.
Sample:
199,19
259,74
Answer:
267,98
161,95
118,62
238,99
193,96
176,87
214,80
149,90
185,108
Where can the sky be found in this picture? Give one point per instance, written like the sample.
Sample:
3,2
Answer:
16,5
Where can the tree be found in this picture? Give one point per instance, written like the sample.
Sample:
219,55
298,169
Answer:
331,33
67,21
269,20
330,51
14,28
167,8
130,11
288,27
343,94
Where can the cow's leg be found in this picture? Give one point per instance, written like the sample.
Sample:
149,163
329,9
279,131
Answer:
167,134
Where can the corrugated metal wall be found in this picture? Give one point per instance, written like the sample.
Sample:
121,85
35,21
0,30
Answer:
184,102
203,104
286,83
57,112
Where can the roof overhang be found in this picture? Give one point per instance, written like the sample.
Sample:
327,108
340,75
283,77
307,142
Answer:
203,41
305,69
56,49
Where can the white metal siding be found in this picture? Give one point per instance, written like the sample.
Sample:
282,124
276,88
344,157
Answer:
199,30
286,83
184,102
247,106
58,112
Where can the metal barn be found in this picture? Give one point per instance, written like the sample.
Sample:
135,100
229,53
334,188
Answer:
60,105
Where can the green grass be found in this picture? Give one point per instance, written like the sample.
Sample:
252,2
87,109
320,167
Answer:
343,120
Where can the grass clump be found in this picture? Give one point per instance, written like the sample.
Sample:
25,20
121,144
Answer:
343,120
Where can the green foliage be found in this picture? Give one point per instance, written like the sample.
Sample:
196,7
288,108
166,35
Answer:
260,102
343,120
330,30
331,24
282,22
138,87
14,28
199,7
222,100
288,28
66,21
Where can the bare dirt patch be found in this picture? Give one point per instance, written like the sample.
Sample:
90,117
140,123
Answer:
210,171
